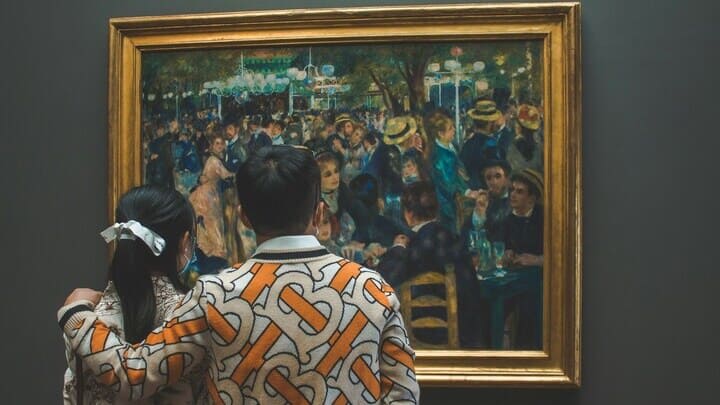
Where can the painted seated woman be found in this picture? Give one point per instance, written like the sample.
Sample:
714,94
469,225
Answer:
413,167
149,275
337,197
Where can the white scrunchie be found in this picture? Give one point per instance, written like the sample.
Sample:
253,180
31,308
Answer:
133,230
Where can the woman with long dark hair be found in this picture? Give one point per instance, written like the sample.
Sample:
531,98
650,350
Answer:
149,275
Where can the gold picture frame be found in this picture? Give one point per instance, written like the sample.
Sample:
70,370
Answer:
557,28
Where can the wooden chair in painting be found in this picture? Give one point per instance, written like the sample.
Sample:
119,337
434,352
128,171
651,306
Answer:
410,300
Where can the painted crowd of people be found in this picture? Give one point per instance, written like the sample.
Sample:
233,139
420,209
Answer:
404,194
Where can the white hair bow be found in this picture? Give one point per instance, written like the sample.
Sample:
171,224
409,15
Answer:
133,230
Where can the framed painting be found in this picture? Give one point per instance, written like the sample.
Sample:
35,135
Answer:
475,105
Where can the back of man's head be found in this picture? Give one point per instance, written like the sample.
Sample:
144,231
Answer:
371,137
279,188
267,121
420,200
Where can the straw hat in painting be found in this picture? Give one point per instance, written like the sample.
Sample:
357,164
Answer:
484,110
399,129
529,117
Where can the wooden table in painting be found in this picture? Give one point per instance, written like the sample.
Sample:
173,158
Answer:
497,291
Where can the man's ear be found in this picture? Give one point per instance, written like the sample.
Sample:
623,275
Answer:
244,218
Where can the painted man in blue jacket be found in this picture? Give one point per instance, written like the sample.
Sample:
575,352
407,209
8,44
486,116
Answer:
483,145
338,142
235,153
262,137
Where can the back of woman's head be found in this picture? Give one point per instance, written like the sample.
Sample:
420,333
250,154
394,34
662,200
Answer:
167,213
437,122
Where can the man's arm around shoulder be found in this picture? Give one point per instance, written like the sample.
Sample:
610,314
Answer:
167,353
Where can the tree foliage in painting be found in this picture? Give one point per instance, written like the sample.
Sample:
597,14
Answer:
395,72
187,69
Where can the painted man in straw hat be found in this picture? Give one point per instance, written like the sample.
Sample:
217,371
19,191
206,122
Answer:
400,136
505,132
339,141
524,254
483,145
524,226
526,150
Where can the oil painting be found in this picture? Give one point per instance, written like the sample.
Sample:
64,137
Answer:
443,148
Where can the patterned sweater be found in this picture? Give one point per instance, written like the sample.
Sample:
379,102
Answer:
188,390
293,324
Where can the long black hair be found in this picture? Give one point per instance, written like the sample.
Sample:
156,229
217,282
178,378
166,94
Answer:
166,212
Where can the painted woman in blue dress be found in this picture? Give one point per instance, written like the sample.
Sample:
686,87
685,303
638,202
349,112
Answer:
447,171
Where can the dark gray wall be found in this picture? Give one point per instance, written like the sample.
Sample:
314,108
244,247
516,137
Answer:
651,115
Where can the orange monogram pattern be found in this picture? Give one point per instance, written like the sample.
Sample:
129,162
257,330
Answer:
319,330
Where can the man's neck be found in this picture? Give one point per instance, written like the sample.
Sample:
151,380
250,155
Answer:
260,238
484,131
523,212
417,225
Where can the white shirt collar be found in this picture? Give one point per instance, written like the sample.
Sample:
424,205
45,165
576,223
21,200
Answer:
289,243
528,215
233,140
417,227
